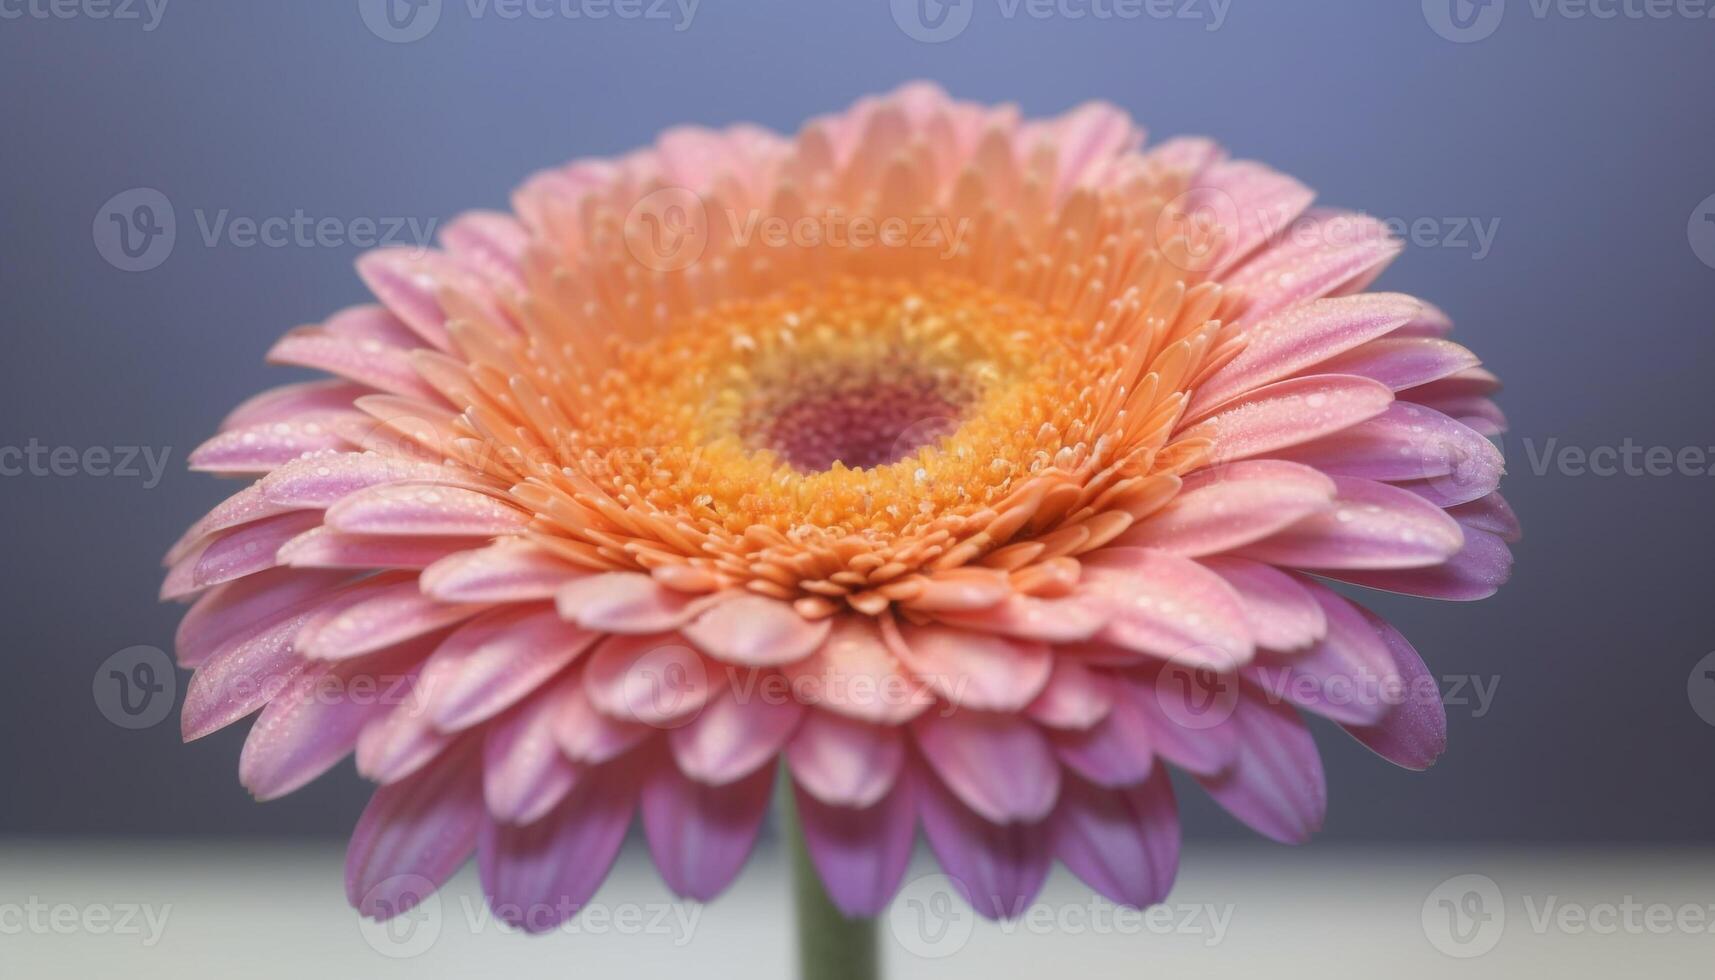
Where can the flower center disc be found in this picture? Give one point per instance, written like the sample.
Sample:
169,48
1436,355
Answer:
858,404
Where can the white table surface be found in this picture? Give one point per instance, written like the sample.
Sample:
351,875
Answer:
187,910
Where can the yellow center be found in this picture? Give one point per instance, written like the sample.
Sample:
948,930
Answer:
863,406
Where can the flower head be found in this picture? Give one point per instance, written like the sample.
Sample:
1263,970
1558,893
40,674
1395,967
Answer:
979,468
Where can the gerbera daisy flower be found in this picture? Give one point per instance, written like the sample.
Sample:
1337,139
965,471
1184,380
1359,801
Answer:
979,469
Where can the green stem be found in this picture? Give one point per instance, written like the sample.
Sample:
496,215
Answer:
830,946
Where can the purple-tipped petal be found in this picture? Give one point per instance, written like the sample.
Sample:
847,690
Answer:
699,834
999,764
1124,843
860,854
413,835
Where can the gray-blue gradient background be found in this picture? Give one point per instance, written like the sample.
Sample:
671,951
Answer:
1588,140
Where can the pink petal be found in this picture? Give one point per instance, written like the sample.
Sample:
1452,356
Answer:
756,631
292,400
1169,607
419,509
1480,568
1300,337
412,837
860,854
585,734
368,362
538,875
844,762
1372,526
1117,752
1226,507
315,721
999,765
699,834
971,669
1253,202
241,508
1275,785
1402,362
262,446
241,608
963,590
1348,676
854,673
1124,843
997,868
1075,697
491,663
323,547
1414,734
1406,442
1489,513
1188,715
375,615
242,676
491,242
320,481
1280,612
1068,619
1291,412
243,551
737,732
407,281
524,773
1321,254
400,744
626,602
505,571
652,680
